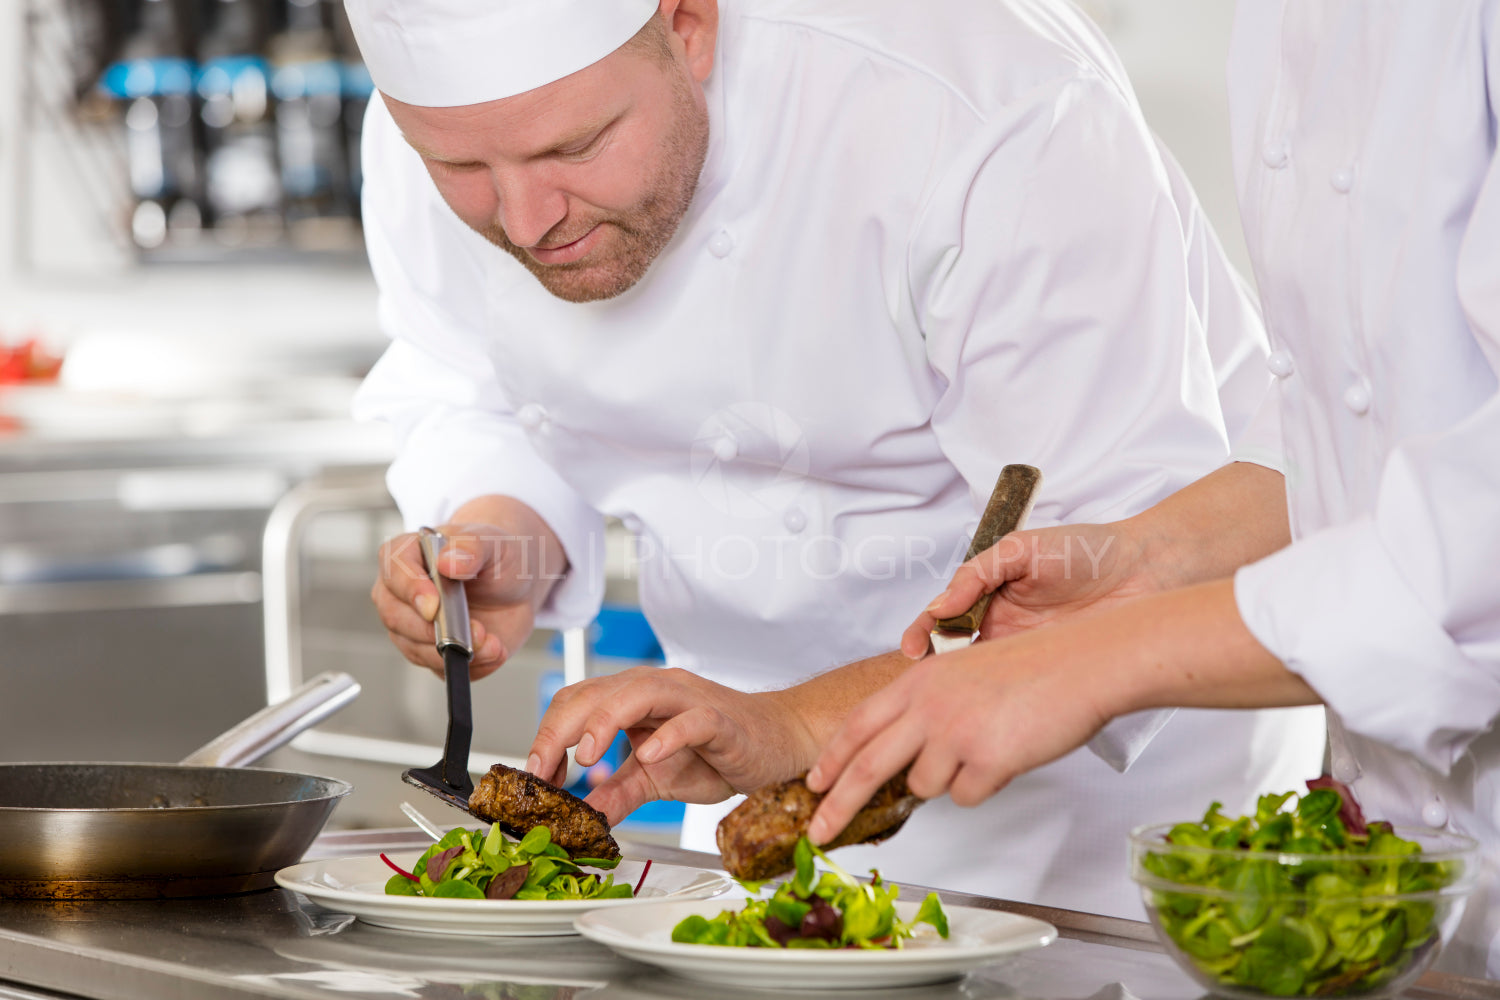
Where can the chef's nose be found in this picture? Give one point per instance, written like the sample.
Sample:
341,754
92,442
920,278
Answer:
529,208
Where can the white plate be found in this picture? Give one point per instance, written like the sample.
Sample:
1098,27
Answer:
976,937
357,886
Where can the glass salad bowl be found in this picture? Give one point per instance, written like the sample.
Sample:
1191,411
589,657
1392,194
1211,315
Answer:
1258,923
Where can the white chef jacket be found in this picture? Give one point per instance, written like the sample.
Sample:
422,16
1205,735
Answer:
1364,140
928,240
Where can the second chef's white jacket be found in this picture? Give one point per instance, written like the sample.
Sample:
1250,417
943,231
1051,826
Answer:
1364,135
928,240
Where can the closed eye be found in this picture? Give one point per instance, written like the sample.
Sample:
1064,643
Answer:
584,151
587,147
449,166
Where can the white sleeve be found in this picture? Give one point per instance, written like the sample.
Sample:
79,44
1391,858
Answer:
1228,309
1261,441
1051,282
1054,295
1394,618
436,385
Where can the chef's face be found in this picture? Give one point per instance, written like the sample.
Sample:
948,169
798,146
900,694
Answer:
585,180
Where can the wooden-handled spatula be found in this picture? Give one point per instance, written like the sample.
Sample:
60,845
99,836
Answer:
1010,503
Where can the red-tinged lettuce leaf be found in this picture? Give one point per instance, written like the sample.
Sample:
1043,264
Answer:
1350,814
507,883
437,865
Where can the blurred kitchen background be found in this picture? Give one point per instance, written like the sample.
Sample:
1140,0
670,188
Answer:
188,518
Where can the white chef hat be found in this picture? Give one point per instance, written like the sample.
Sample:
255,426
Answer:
448,53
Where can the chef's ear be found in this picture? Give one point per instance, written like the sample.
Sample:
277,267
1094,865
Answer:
695,27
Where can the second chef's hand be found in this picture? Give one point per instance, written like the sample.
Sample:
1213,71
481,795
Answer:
970,721
1203,532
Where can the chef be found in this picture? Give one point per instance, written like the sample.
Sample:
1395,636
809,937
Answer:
782,286
1364,135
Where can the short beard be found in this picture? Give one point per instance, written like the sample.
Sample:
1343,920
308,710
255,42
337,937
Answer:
638,235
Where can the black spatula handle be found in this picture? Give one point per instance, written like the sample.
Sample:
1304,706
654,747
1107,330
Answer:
451,633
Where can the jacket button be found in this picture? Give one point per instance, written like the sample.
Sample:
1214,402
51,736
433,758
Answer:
1342,180
1275,155
794,519
1357,397
1434,813
1280,364
531,416
721,244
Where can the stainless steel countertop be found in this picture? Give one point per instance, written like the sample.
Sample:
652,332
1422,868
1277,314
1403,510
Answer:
278,944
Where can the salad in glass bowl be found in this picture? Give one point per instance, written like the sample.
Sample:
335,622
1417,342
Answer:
1304,898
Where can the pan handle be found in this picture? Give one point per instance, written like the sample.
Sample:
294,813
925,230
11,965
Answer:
275,725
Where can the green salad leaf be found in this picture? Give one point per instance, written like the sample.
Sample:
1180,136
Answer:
475,864
831,909
1268,919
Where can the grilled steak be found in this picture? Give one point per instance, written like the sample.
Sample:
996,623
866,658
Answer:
758,837
519,800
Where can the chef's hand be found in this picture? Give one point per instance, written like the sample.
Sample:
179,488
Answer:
509,559
1205,531
1042,575
968,722
692,740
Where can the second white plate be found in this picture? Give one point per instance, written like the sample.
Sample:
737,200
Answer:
976,938
357,886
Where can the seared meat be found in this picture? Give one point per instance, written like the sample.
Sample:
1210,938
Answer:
519,800
758,837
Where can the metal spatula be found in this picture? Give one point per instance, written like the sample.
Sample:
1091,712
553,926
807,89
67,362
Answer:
449,779
1010,503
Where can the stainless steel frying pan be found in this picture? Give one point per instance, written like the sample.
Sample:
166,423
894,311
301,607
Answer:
144,831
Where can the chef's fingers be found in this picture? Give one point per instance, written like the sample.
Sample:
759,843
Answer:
875,763
976,781
399,617
477,671
490,652
1002,562
623,792
915,640
404,575
466,550
932,773
423,654
590,714
629,707
691,729
862,724
714,736
499,565
562,724
677,706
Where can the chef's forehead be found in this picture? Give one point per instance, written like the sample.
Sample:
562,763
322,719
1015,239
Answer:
451,53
